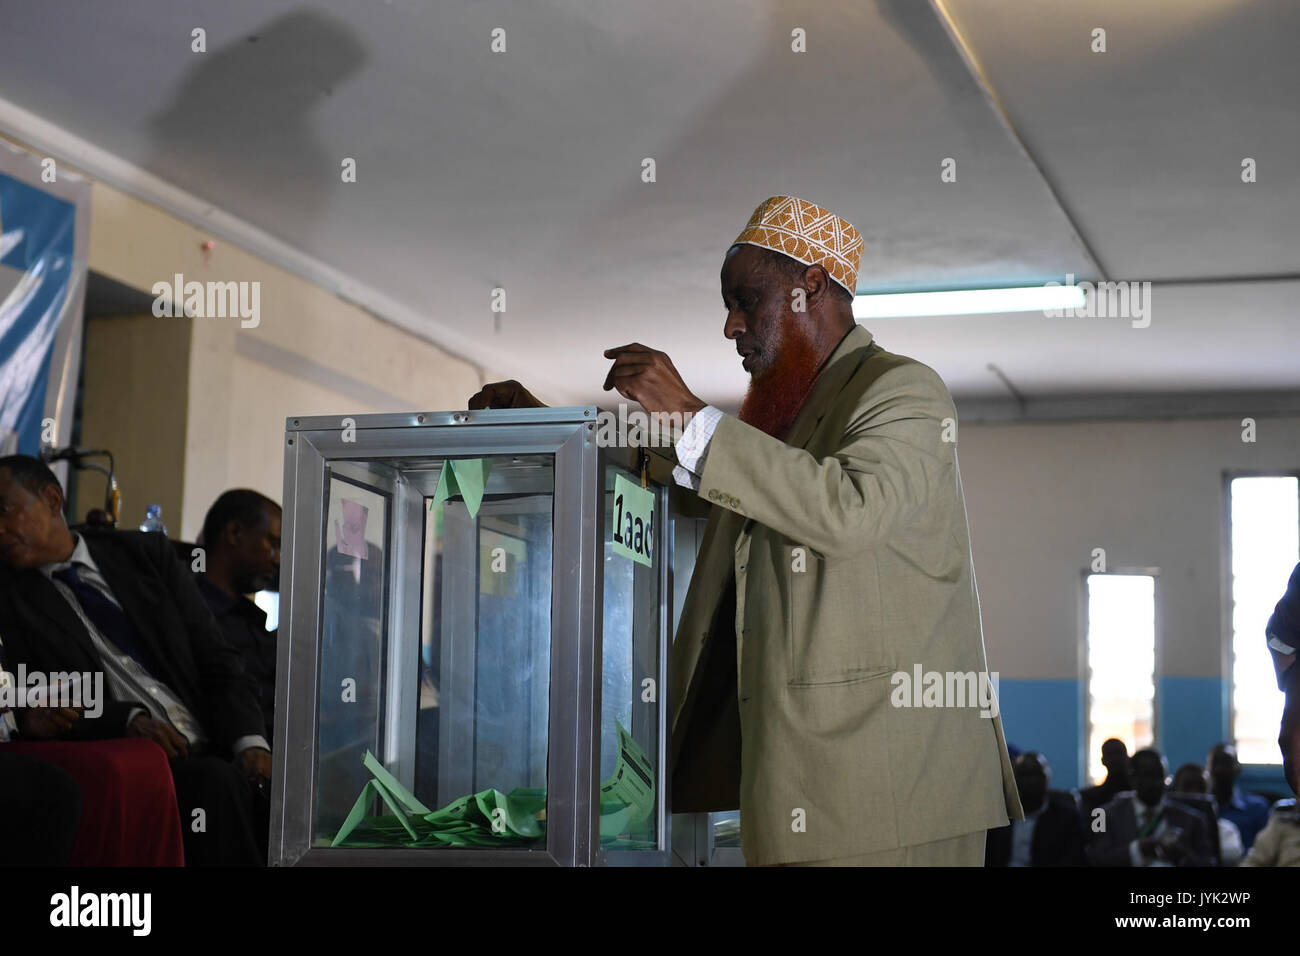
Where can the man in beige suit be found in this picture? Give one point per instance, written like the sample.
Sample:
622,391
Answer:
829,674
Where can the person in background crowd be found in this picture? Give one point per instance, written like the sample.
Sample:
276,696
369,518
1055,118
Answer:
1190,778
1278,844
121,603
1248,811
1050,834
241,536
1114,757
1146,828
1283,634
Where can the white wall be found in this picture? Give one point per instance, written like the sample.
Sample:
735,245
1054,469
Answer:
1040,497
311,354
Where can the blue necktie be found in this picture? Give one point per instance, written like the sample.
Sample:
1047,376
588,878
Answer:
109,618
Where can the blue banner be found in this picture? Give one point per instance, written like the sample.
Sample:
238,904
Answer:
37,235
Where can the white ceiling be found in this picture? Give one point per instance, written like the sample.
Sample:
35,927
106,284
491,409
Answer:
522,169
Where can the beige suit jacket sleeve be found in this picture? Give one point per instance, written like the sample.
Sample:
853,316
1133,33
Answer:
1264,852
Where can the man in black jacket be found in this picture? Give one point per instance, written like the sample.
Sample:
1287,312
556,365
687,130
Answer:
121,603
1114,757
241,538
1049,835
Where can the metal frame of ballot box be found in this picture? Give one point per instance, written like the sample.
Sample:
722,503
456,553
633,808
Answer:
399,458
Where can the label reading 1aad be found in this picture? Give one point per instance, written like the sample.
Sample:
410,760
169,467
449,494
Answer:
634,521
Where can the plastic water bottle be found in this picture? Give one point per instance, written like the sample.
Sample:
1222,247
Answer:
153,519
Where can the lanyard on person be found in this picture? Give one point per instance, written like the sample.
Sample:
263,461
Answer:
1151,825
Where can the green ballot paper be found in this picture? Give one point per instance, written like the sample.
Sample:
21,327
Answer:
491,817
631,785
466,477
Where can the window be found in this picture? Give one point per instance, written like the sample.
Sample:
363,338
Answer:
1121,641
269,601
1265,544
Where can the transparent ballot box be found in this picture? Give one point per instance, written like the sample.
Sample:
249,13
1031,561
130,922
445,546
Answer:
473,669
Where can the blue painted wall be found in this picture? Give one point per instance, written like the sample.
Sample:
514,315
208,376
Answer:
1191,717
1047,716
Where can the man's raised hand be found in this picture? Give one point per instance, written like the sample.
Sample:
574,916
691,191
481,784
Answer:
648,376
509,394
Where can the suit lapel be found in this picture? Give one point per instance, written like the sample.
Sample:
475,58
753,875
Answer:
839,368
44,603
717,549
841,365
726,527
138,600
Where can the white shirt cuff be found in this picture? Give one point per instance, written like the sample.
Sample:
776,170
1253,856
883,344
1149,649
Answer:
685,478
693,446
252,740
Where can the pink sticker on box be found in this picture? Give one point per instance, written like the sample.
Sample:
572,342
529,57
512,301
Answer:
352,534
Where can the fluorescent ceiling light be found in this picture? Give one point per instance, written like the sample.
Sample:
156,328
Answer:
969,301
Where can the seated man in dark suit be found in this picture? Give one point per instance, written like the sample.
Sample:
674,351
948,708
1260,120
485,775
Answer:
1189,787
1114,757
241,544
1145,828
1049,835
1248,811
120,603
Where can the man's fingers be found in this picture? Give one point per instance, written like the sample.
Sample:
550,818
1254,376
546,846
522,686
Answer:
57,720
629,362
172,743
178,742
487,396
508,394
630,347
619,380
162,741
635,358
628,375
625,389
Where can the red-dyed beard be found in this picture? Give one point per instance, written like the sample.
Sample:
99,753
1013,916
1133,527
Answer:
776,394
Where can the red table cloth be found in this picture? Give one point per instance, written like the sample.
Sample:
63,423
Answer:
129,815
